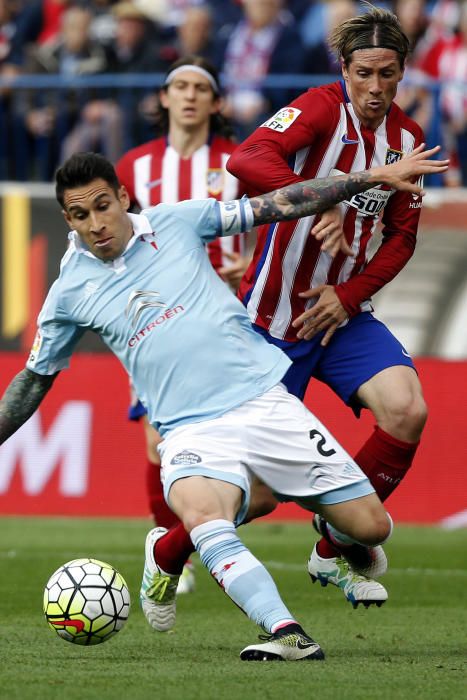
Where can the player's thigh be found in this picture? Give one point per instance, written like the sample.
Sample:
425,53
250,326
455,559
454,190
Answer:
262,500
359,351
198,499
394,395
212,452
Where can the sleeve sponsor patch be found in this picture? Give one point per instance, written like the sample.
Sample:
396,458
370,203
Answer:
36,346
282,119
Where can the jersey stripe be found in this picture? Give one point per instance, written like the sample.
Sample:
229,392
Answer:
288,259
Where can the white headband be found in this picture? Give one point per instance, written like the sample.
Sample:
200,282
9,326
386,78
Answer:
195,69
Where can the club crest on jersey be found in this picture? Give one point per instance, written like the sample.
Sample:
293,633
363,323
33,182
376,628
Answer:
282,119
214,181
392,156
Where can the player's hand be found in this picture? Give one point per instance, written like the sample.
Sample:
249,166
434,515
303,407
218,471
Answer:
329,230
401,175
232,274
326,315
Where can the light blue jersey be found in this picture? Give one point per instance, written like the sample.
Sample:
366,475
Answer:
183,337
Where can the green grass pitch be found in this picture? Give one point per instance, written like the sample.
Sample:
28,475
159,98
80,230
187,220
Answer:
413,647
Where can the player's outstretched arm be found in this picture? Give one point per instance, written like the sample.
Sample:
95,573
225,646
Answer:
21,399
312,196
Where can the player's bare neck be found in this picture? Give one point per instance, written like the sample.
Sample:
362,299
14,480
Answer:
188,141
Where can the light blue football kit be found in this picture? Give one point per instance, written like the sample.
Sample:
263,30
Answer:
182,336
193,357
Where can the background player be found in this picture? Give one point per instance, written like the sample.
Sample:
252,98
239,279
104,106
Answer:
317,309
155,301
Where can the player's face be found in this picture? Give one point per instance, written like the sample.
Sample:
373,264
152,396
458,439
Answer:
372,78
190,100
100,218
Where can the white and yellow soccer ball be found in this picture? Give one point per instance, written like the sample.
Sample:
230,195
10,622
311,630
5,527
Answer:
86,601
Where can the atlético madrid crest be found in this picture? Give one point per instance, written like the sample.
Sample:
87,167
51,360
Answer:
392,156
215,181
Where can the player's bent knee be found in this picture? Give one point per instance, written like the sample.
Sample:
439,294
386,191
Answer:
375,532
405,421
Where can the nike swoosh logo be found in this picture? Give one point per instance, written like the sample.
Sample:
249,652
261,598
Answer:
305,645
153,183
79,624
346,140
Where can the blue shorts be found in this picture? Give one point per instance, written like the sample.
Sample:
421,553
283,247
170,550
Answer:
355,353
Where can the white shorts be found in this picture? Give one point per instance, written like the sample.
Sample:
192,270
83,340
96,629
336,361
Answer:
274,437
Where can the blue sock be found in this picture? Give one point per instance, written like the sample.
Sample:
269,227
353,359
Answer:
240,574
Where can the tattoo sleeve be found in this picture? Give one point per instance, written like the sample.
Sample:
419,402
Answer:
308,197
22,397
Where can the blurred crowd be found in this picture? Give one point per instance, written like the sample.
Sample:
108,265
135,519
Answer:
247,40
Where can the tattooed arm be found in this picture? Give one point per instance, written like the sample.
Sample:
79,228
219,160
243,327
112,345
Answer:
312,196
22,397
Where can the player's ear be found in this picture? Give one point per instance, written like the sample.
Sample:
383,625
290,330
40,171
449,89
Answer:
163,99
124,197
67,217
344,69
402,72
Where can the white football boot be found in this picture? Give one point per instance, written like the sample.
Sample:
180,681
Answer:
158,588
337,571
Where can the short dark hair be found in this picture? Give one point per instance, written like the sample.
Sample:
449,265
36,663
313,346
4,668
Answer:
81,169
376,28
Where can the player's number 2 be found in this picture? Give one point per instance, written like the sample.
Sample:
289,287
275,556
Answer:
321,443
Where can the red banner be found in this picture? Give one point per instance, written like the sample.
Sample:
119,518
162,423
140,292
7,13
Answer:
78,455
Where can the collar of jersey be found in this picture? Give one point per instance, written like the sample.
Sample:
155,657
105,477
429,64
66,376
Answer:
140,224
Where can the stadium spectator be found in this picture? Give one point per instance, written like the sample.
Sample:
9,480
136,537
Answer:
49,115
104,24
328,330
8,29
320,59
447,62
9,68
39,22
186,161
236,403
313,24
265,41
413,94
194,33
113,122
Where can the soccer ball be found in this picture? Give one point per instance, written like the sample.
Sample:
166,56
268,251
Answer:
86,601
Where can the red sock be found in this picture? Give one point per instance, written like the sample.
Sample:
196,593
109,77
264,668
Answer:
326,550
161,512
385,460
173,549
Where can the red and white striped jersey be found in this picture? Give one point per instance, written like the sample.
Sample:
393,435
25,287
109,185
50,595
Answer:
154,172
319,135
